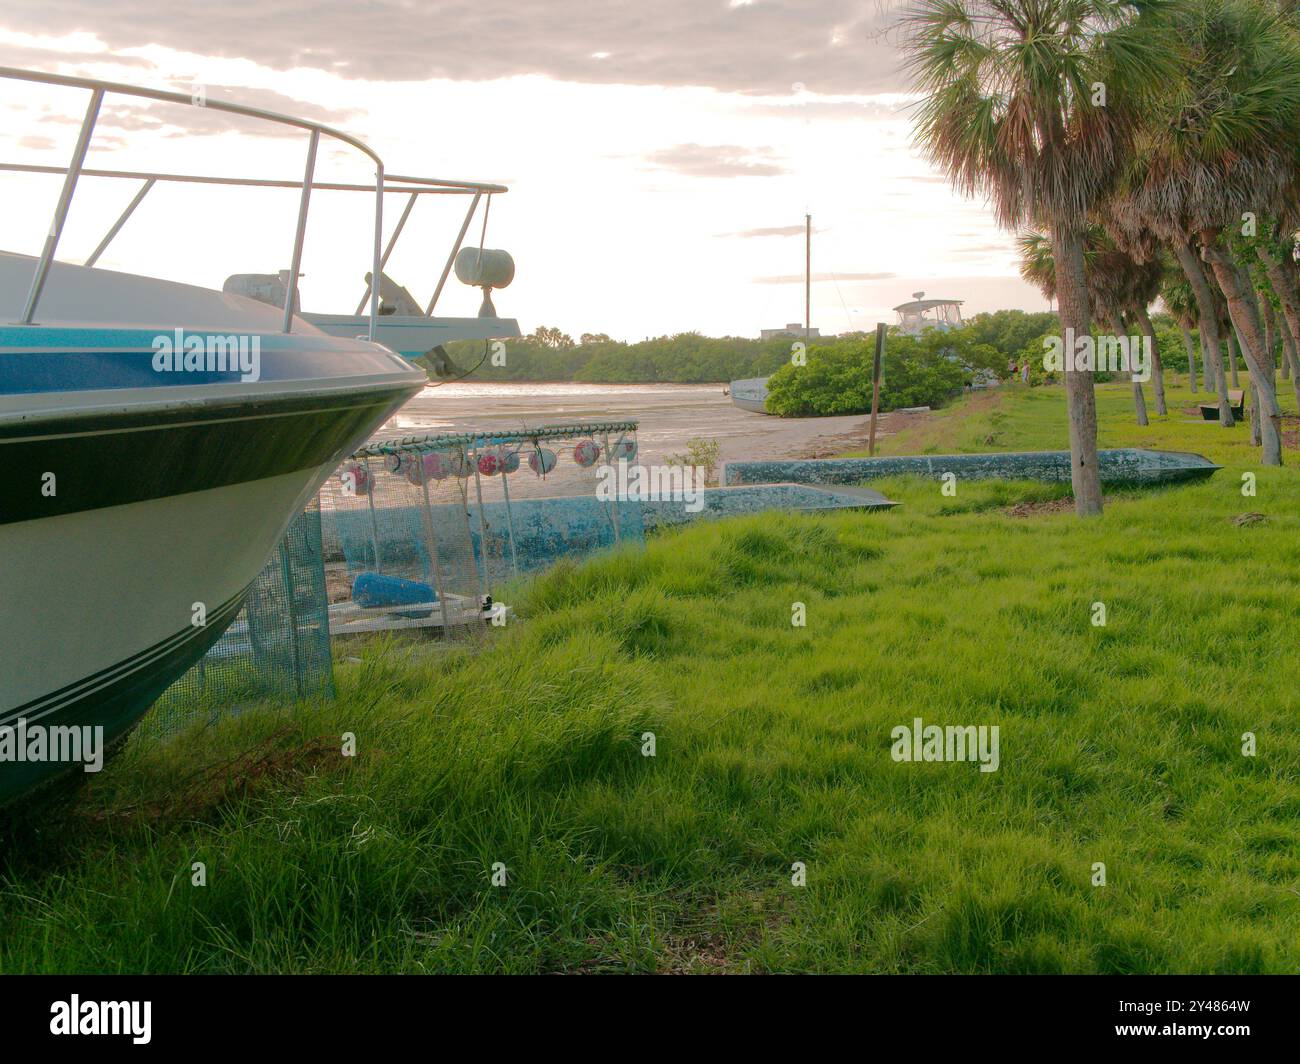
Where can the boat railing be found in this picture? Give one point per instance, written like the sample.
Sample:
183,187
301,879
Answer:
412,187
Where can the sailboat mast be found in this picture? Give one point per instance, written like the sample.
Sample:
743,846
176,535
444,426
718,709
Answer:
807,280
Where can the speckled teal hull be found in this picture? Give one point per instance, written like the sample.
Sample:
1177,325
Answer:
1122,466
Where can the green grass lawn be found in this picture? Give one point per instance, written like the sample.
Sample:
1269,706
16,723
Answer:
1017,418
1119,745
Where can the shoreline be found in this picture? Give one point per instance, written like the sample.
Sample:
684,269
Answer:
669,415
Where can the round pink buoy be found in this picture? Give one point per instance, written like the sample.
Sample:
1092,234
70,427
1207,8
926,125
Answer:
541,461
457,465
625,449
395,463
356,480
434,465
585,453
489,463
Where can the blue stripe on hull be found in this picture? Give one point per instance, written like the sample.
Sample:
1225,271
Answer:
52,359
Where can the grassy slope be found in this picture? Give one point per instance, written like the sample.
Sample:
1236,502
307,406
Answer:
1119,744
1021,419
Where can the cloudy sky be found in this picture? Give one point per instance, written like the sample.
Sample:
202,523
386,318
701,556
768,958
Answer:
661,157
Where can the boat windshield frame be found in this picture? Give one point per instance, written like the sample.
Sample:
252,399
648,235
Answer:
413,187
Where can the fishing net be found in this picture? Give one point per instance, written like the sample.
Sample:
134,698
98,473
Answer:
422,532
426,531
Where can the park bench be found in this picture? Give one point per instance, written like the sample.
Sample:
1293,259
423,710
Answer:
1236,400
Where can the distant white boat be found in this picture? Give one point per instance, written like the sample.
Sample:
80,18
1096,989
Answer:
921,314
750,394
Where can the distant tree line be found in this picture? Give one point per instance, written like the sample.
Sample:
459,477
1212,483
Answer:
549,354
928,370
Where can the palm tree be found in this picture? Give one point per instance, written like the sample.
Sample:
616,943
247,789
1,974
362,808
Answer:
1176,294
1217,147
1138,265
1144,277
1036,263
1275,253
1117,287
1033,103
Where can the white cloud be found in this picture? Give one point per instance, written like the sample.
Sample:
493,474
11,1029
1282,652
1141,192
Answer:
829,46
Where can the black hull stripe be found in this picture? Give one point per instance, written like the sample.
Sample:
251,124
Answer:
37,708
196,410
115,707
186,452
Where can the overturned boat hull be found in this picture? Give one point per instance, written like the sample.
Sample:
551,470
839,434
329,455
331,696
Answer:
1119,466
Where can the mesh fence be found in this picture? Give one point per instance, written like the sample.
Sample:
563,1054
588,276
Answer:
424,531
418,532
277,648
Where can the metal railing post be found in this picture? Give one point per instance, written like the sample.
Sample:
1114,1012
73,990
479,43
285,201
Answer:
377,264
460,237
121,221
61,211
388,249
482,236
295,264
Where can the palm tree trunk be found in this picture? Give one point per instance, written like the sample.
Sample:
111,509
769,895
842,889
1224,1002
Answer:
1190,345
1291,355
1232,355
1283,281
1120,331
1208,311
1157,367
1270,328
1254,413
1245,319
1264,382
1080,399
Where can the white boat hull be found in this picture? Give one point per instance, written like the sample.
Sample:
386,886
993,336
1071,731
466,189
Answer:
140,503
750,394
172,562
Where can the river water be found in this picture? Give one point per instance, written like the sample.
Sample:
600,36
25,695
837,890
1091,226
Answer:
669,416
